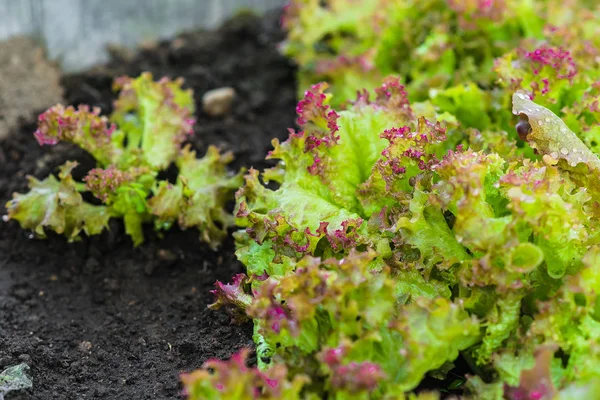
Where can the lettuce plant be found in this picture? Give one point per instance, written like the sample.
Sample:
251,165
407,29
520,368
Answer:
379,249
142,137
451,212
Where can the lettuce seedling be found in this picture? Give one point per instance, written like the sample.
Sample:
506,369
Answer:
142,137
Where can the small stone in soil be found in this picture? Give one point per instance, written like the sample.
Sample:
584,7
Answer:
218,102
85,346
166,255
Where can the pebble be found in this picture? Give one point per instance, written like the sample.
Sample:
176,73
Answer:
85,346
218,102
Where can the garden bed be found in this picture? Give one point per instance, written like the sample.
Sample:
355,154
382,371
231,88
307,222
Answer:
97,318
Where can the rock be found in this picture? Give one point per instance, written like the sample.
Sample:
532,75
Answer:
167,257
218,102
85,346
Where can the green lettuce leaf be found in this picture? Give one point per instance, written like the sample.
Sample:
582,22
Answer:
234,380
56,205
198,197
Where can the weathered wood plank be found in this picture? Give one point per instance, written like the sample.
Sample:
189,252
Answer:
76,32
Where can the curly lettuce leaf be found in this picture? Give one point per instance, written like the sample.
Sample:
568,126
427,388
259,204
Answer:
83,127
198,197
125,193
501,323
154,118
345,312
556,352
319,174
550,136
467,188
232,297
234,380
554,209
56,205
433,332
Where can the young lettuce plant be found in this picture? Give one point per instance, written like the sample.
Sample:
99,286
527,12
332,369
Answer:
385,251
142,137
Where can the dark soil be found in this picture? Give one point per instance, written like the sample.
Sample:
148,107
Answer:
97,318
